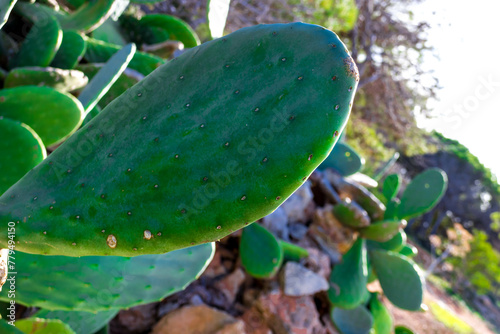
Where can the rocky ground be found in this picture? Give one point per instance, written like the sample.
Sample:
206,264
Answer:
226,300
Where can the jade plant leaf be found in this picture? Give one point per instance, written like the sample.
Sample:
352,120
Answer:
400,278
260,252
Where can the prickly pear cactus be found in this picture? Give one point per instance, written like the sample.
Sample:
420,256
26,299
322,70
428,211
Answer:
100,52
40,45
52,114
62,80
99,283
211,141
21,149
79,321
70,52
177,29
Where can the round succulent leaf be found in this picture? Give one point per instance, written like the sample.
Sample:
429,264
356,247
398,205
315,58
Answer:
350,214
60,79
344,159
102,283
140,33
53,115
400,278
382,319
391,211
423,193
177,29
176,153
383,230
348,279
110,32
260,252
100,52
402,330
71,51
21,149
391,186
395,244
40,45
88,16
80,322
352,321
408,251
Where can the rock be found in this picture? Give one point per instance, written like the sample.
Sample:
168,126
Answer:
277,223
137,319
297,206
255,322
200,319
300,281
289,315
237,327
318,262
297,230
230,284
215,268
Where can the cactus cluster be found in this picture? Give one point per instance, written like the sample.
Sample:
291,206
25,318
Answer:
126,180
380,251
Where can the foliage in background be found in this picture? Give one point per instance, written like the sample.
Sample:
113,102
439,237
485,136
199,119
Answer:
479,267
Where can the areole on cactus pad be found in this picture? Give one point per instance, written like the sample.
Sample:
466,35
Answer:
209,142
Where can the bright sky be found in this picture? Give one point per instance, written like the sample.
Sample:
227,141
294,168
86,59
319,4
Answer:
465,36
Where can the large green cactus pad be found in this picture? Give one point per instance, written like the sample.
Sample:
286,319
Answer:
70,52
348,279
52,114
400,278
80,322
423,193
40,45
62,80
211,141
98,283
21,149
